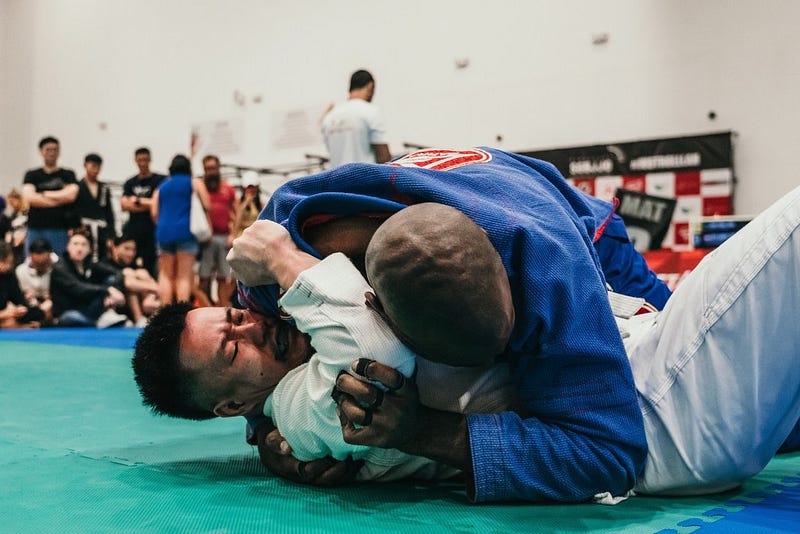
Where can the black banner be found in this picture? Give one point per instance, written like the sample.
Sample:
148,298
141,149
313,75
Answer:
677,154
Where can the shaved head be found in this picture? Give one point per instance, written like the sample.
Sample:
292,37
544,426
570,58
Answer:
441,284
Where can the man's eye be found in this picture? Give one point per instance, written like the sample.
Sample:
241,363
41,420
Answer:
235,351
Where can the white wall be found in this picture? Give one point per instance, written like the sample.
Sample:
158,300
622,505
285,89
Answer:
150,69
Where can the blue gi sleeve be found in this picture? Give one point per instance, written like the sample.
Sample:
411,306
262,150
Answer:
578,429
625,268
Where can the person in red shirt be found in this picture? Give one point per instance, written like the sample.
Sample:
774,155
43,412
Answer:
222,212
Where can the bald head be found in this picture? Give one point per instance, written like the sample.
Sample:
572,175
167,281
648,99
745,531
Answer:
442,285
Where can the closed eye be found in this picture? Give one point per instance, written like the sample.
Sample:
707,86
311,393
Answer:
235,351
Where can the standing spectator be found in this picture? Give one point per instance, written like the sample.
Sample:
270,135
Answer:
93,207
50,192
140,289
34,277
136,200
177,247
84,293
354,130
5,222
13,311
250,205
222,211
19,224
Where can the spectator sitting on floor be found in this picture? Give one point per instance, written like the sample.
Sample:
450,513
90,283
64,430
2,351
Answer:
13,311
84,293
33,276
141,290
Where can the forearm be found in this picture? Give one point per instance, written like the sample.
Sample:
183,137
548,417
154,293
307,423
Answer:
265,254
555,460
443,437
137,285
130,203
39,200
62,196
382,154
290,265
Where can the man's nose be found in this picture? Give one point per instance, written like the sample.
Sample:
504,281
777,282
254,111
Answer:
247,330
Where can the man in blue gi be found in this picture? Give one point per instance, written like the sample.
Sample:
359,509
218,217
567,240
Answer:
581,431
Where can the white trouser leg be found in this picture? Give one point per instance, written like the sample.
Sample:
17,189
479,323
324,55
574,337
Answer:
718,373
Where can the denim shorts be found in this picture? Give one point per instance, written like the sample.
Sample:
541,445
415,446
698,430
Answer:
189,245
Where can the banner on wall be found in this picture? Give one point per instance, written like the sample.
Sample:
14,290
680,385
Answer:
676,154
695,171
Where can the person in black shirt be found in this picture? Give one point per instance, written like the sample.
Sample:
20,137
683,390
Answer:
83,292
50,193
136,195
13,311
93,207
141,290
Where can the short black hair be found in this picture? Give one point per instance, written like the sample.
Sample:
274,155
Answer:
180,165
165,387
125,236
94,158
40,245
359,79
47,140
142,150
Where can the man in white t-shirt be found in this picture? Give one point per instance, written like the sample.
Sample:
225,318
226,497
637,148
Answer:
354,130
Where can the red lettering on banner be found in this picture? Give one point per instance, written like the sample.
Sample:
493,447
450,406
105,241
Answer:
442,159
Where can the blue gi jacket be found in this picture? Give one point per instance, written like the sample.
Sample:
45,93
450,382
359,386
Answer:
582,430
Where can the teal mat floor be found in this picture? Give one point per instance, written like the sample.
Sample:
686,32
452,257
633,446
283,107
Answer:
79,453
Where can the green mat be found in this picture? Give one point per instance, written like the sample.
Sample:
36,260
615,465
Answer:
80,454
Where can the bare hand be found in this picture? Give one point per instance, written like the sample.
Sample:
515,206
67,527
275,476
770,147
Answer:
369,416
115,297
265,254
276,455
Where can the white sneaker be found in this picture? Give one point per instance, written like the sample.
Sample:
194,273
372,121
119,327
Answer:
141,323
111,318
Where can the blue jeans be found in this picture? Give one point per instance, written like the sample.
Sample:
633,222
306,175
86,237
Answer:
85,315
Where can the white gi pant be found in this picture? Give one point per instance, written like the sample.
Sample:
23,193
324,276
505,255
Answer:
718,371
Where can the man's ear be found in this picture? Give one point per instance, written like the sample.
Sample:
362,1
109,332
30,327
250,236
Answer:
372,301
229,408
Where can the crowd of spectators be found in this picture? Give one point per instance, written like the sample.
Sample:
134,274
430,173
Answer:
72,255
